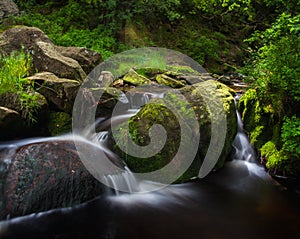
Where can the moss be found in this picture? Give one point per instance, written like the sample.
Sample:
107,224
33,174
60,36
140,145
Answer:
156,112
264,128
139,127
168,81
135,79
149,72
59,123
258,119
182,69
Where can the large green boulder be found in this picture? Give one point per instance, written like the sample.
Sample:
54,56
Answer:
158,112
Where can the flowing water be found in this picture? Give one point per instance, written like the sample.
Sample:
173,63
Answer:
240,201
242,150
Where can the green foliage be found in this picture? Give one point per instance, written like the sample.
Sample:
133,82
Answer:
275,69
291,136
98,39
73,25
274,73
13,70
275,158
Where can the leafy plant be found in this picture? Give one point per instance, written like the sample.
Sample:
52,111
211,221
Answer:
291,136
13,70
274,73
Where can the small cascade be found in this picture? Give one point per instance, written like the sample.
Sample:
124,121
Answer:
137,99
124,181
241,145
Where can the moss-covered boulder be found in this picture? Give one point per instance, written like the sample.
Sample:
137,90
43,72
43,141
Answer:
157,112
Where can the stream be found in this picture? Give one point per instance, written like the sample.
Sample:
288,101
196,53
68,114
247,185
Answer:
239,201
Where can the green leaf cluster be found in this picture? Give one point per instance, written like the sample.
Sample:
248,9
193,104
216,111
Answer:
274,73
13,72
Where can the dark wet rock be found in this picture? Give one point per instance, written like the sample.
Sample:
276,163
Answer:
11,123
43,176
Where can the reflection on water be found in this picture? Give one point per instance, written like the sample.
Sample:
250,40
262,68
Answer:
239,201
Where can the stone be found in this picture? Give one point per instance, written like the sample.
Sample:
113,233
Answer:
155,112
163,79
59,92
13,101
42,176
45,56
11,123
8,7
134,78
86,58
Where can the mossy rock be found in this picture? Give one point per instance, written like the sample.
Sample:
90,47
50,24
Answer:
59,123
133,78
156,112
163,79
258,123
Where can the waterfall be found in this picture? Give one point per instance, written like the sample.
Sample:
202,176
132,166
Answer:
242,148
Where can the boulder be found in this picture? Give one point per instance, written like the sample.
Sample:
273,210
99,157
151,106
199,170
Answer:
59,92
42,176
45,55
11,123
8,7
156,112
14,102
46,58
86,58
